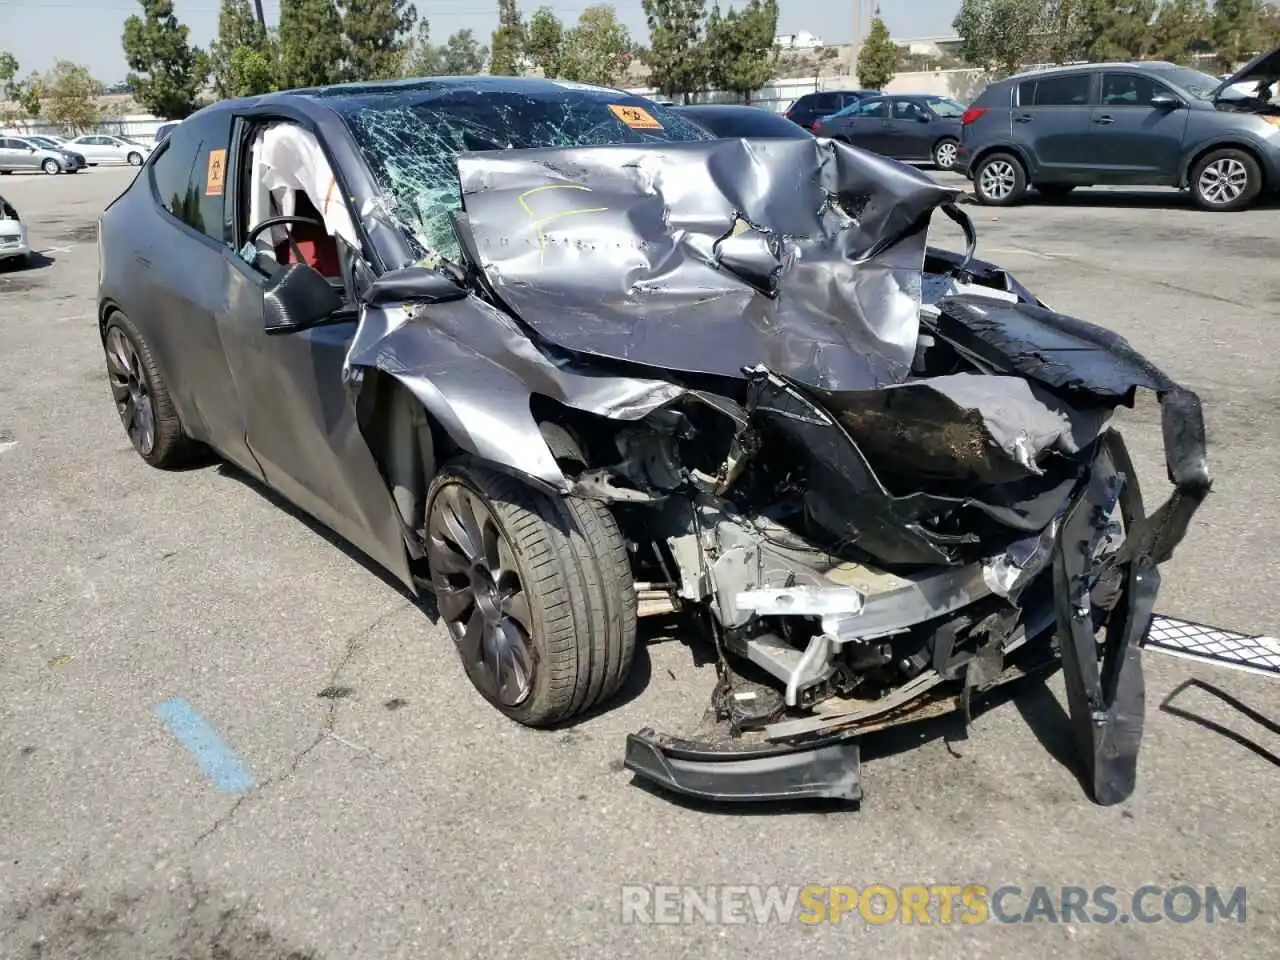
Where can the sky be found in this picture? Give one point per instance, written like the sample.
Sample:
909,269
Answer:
88,31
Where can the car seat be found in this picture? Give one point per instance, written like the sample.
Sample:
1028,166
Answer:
317,246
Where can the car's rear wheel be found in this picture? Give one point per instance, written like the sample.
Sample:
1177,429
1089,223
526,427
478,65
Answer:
142,397
944,153
50,166
135,159
536,591
999,180
1227,179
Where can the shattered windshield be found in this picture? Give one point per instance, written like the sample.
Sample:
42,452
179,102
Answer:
412,136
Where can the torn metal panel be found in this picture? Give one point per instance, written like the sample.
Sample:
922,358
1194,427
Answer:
806,256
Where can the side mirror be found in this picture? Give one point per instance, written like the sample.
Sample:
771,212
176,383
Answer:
924,118
31,149
298,298
1165,101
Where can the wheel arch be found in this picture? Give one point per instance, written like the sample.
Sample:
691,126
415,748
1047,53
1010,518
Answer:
1202,151
1014,151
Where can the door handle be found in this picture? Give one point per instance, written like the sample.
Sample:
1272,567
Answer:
1023,118
142,260
1103,120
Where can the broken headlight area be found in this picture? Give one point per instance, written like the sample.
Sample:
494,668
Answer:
863,559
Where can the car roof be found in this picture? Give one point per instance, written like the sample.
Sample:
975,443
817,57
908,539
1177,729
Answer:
1139,65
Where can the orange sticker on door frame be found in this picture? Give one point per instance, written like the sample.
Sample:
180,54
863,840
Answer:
216,173
637,118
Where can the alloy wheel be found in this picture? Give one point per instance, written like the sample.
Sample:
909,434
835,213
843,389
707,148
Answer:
130,390
945,155
50,166
997,179
135,159
480,594
1223,181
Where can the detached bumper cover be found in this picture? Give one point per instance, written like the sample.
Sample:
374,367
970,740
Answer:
813,771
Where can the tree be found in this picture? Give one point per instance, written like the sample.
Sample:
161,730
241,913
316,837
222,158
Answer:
8,72
424,58
740,53
242,58
1063,25
169,71
677,60
878,58
310,43
1236,31
1179,27
1118,29
999,36
29,93
508,41
377,37
463,56
598,49
545,42
70,96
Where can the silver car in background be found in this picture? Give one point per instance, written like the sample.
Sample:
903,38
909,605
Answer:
23,153
106,148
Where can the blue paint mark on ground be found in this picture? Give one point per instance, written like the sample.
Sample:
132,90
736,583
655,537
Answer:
218,761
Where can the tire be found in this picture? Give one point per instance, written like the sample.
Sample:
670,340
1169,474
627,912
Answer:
137,385
999,180
5,173
51,167
944,153
1227,180
1054,191
565,557
135,159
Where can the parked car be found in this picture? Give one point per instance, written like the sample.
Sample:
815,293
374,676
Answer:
49,143
559,357
737,120
164,130
101,148
912,126
814,106
1145,123
23,153
13,235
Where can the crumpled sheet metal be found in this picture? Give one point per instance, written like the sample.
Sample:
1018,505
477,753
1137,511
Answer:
475,370
707,257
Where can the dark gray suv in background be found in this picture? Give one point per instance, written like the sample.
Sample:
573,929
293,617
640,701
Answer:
1146,123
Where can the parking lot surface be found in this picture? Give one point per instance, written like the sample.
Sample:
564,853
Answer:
390,813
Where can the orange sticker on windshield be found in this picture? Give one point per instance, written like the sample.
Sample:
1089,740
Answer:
637,118
216,173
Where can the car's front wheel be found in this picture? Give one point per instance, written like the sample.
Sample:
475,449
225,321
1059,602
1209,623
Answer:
535,589
944,154
999,180
1227,179
50,166
135,159
142,396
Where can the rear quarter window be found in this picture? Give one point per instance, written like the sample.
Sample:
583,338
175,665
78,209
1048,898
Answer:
1069,90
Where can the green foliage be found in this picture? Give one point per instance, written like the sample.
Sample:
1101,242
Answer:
424,58
598,49
739,49
168,72
8,74
243,58
999,35
1118,29
70,96
1237,31
310,43
544,42
463,55
1179,25
508,41
879,57
677,57
377,37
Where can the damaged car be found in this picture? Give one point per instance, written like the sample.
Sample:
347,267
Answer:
558,358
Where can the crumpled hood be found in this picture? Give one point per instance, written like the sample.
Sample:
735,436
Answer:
707,257
1265,66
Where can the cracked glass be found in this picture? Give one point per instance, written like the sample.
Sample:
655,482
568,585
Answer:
411,136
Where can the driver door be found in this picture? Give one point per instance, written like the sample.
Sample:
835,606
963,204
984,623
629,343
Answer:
300,424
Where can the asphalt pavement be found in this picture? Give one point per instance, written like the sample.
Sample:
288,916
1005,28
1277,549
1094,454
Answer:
360,800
